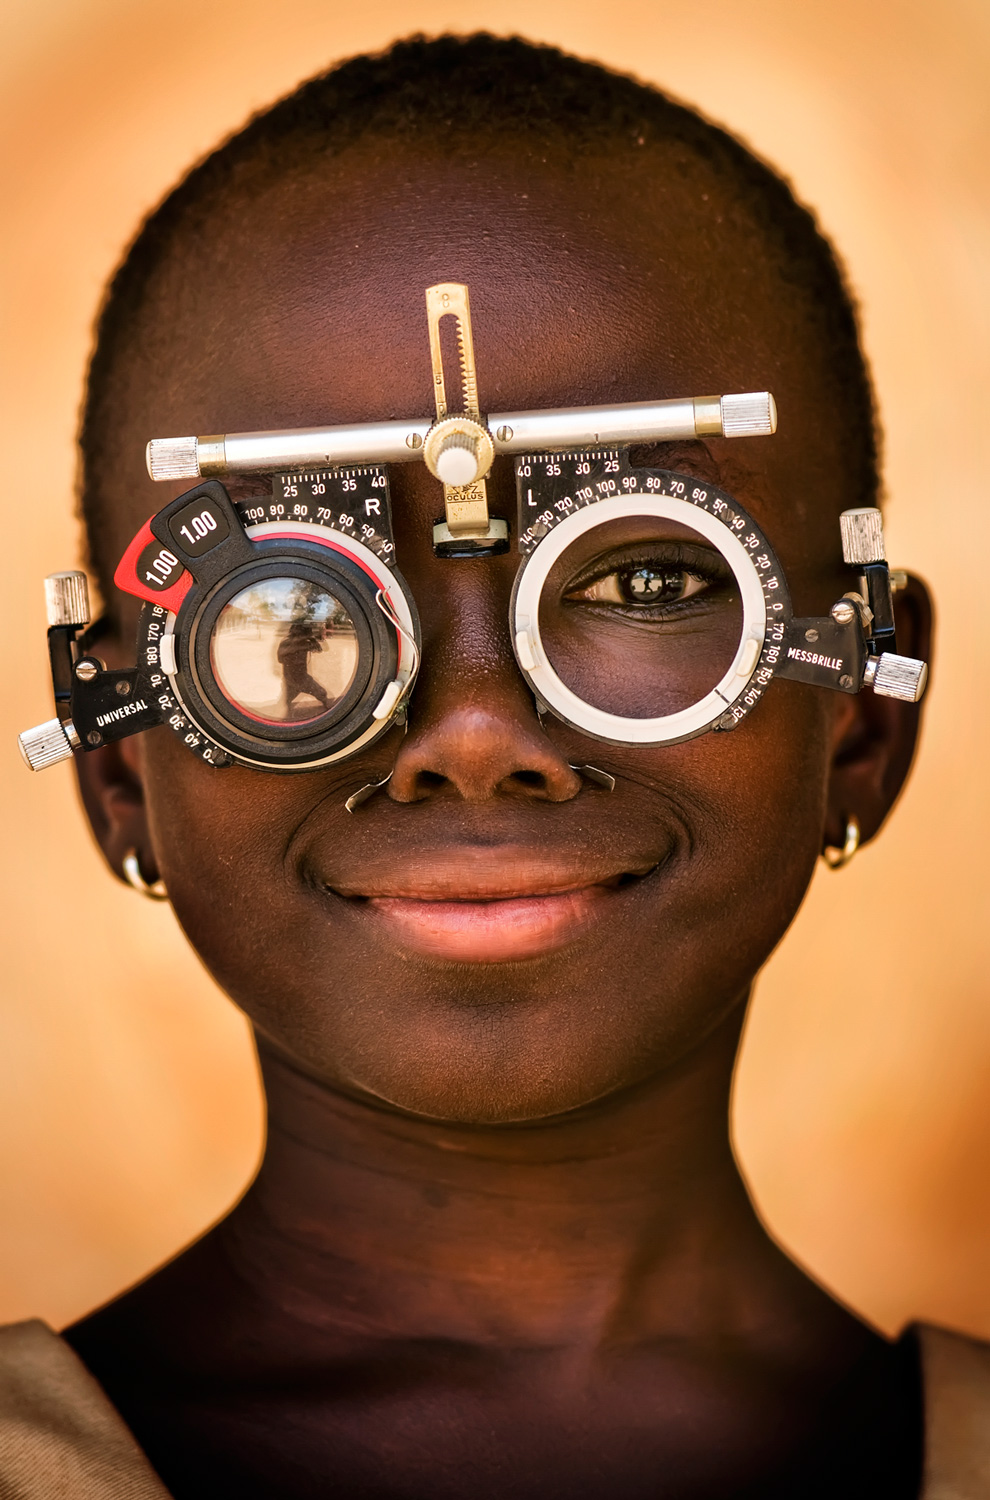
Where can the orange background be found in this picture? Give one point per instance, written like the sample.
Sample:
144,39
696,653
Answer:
129,1109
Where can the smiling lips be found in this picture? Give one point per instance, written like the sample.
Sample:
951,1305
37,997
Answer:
515,910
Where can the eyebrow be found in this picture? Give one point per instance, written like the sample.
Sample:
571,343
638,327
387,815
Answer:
694,458
249,486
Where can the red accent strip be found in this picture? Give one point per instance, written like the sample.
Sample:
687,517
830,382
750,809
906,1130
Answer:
302,536
128,582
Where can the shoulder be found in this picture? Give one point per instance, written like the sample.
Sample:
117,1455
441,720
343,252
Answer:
59,1434
956,1381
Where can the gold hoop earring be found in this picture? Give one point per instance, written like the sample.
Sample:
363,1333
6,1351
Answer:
837,858
134,878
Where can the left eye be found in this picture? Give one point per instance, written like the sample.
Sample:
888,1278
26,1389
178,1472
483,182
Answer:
643,585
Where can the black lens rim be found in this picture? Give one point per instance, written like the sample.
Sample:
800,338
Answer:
205,624
377,666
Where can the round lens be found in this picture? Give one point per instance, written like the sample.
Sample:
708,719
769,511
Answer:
284,651
641,617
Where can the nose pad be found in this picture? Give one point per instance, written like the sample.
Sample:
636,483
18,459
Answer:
475,752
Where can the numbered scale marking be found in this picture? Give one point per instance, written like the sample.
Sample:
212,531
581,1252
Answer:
353,502
550,487
152,627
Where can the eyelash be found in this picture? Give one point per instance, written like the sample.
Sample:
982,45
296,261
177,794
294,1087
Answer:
694,562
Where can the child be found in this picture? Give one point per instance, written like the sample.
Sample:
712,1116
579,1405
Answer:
498,1245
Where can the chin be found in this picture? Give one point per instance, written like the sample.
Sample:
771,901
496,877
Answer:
482,1066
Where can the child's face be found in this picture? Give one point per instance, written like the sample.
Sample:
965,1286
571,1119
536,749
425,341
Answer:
604,283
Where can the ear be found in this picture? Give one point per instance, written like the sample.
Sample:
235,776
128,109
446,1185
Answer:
876,737
113,796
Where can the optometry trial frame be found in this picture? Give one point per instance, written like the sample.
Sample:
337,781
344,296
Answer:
277,632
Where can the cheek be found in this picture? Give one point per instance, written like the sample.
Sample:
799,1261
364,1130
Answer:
751,806
735,820
757,797
221,839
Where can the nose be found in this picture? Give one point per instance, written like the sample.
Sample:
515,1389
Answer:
474,732
475,751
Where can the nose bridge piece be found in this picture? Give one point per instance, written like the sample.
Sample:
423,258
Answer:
459,449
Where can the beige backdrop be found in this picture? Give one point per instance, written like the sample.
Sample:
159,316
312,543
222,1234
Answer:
129,1111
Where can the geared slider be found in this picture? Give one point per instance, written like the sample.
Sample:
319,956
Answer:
459,450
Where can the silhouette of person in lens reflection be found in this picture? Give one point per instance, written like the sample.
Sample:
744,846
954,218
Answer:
305,637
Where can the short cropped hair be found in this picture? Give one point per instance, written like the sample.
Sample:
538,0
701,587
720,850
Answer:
420,90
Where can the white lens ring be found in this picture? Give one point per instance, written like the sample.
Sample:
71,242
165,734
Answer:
616,729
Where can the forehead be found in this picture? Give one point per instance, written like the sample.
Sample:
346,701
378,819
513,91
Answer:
297,299
588,277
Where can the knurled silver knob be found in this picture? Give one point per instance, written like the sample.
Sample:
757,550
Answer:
753,414
458,450
44,745
897,677
67,599
173,458
862,535
457,459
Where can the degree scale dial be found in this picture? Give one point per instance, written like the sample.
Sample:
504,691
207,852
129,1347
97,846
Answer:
354,502
346,513
553,489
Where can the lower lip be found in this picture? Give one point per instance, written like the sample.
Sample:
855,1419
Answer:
492,931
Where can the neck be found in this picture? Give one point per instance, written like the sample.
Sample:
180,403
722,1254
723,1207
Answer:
631,1211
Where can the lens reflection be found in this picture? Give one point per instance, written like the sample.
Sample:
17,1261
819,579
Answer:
641,617
284,651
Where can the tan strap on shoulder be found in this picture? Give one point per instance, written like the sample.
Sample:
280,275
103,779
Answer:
956,1376
60,1437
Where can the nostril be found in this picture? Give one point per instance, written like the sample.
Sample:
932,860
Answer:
419,787
471,752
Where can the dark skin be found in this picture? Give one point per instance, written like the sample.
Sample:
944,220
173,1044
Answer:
498,1244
